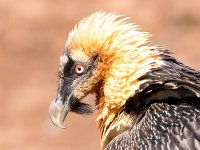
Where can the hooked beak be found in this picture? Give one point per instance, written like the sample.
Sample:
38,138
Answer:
58,111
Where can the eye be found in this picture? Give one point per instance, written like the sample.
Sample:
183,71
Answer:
79,69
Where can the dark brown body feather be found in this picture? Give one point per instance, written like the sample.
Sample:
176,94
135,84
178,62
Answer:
167,109
163,127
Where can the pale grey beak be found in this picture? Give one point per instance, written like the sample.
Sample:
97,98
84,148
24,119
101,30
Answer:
58,110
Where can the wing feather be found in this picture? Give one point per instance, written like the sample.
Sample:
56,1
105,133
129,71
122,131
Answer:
163,127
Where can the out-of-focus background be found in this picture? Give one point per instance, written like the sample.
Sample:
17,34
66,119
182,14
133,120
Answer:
32,37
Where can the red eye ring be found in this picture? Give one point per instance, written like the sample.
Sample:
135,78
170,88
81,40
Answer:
79,69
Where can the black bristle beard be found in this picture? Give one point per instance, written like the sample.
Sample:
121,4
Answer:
81,108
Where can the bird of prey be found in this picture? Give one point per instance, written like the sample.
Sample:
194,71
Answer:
145,98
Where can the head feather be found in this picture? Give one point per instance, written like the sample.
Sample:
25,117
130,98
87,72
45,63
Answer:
104,34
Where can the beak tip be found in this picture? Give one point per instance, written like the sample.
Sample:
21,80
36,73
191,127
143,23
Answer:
55,113
56,122
59,125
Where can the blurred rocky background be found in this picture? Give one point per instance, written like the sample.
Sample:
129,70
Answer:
32,37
